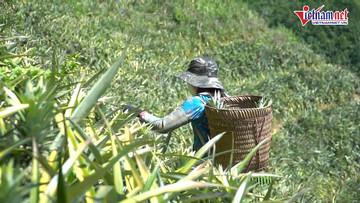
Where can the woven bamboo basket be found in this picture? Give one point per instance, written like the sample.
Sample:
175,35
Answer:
247,124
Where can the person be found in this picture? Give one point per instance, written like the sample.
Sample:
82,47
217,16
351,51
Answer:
202,80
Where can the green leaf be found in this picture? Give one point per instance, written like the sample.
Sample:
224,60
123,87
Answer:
5,112
66,168
12,179
172,188
45,164
240,166
211,173
79,188
199,154
268,193
197,172
232,150
61,187
207,197
14,100
263,178
10,56
118,180
83,109
13,146
34,194
130,163
102,191
240,194
152,178
115,125
87,83
92,146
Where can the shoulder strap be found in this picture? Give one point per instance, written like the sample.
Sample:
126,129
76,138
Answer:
201,99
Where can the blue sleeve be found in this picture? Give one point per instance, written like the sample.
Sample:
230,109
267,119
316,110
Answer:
193,107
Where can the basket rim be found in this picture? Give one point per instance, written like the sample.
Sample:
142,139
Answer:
269,105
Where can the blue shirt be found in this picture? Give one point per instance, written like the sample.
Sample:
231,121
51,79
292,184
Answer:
194,108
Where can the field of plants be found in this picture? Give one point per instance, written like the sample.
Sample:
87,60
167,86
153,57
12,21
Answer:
65,69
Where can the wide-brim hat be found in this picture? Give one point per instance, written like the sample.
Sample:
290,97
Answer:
202,73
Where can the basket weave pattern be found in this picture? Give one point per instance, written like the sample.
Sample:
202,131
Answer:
247,124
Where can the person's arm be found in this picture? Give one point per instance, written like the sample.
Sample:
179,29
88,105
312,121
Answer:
170,122
191,109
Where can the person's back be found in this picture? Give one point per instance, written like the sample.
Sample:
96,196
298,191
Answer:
194,108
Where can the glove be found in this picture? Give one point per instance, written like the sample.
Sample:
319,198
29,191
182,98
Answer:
129,108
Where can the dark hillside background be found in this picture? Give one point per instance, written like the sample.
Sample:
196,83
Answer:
338,44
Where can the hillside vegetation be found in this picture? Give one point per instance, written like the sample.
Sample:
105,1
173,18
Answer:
316,102
338,44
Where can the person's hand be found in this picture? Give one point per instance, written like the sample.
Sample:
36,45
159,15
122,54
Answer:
128,108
